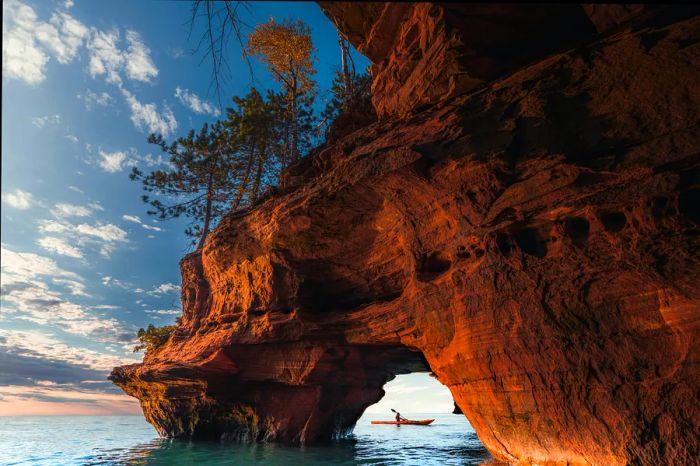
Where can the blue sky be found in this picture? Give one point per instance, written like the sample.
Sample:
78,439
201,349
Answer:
83,266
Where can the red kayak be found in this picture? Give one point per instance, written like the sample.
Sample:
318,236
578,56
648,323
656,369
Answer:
423,422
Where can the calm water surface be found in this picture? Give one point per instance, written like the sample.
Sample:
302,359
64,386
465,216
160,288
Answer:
130,440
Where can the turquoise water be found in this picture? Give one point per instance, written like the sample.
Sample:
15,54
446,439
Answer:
130,440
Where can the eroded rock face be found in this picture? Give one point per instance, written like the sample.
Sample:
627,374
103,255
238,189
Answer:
534,244
427,52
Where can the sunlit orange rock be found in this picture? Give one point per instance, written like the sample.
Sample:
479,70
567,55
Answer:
532,241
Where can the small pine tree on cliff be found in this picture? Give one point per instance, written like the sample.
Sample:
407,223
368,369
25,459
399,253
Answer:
153,336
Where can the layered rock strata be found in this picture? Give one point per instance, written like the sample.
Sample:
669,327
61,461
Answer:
531,239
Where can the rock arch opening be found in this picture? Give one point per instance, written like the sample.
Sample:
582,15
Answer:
417,393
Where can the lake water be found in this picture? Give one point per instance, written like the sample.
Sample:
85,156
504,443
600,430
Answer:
130,440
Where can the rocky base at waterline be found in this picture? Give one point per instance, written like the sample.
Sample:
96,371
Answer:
528,232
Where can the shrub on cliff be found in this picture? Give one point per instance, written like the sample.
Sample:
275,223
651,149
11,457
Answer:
153,336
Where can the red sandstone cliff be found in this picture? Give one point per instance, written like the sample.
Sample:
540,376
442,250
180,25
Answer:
523,221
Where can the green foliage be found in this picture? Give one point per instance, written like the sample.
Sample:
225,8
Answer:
153,336
226,165
348,99
197,184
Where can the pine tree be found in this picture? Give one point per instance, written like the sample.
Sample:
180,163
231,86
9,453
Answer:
287,50
353,99
198,182
255,123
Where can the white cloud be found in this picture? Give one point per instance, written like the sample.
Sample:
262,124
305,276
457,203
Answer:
152,228
75,287
151,161
146,116
26,293
172,312
194,103
54,226
22,57
38,344
45,383
91,99
105,236
132,218
106,232
18,199
164,288
105,57
76,189
70,210
71,34
139,65
113,162
59,246
40,122
26,266
96,206
111,281
28,42
72,138
176,52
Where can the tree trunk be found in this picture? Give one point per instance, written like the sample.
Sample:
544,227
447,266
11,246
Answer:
295,128
244,182
258,177
207,213
344,58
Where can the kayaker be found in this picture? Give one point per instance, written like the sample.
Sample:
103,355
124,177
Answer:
400,418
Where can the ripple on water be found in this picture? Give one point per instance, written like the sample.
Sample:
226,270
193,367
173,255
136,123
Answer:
129,440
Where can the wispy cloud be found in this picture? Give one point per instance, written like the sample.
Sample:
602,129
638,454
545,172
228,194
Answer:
28,43
41,345
132,218
194,103
170,312
164,288
152,161
59,246
18,199
40,122
139,65
111,281
43,375
96,206
70,210
104,235
92,99
146,117
113,162
27,294
105,57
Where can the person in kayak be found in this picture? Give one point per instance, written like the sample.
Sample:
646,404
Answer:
400,418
